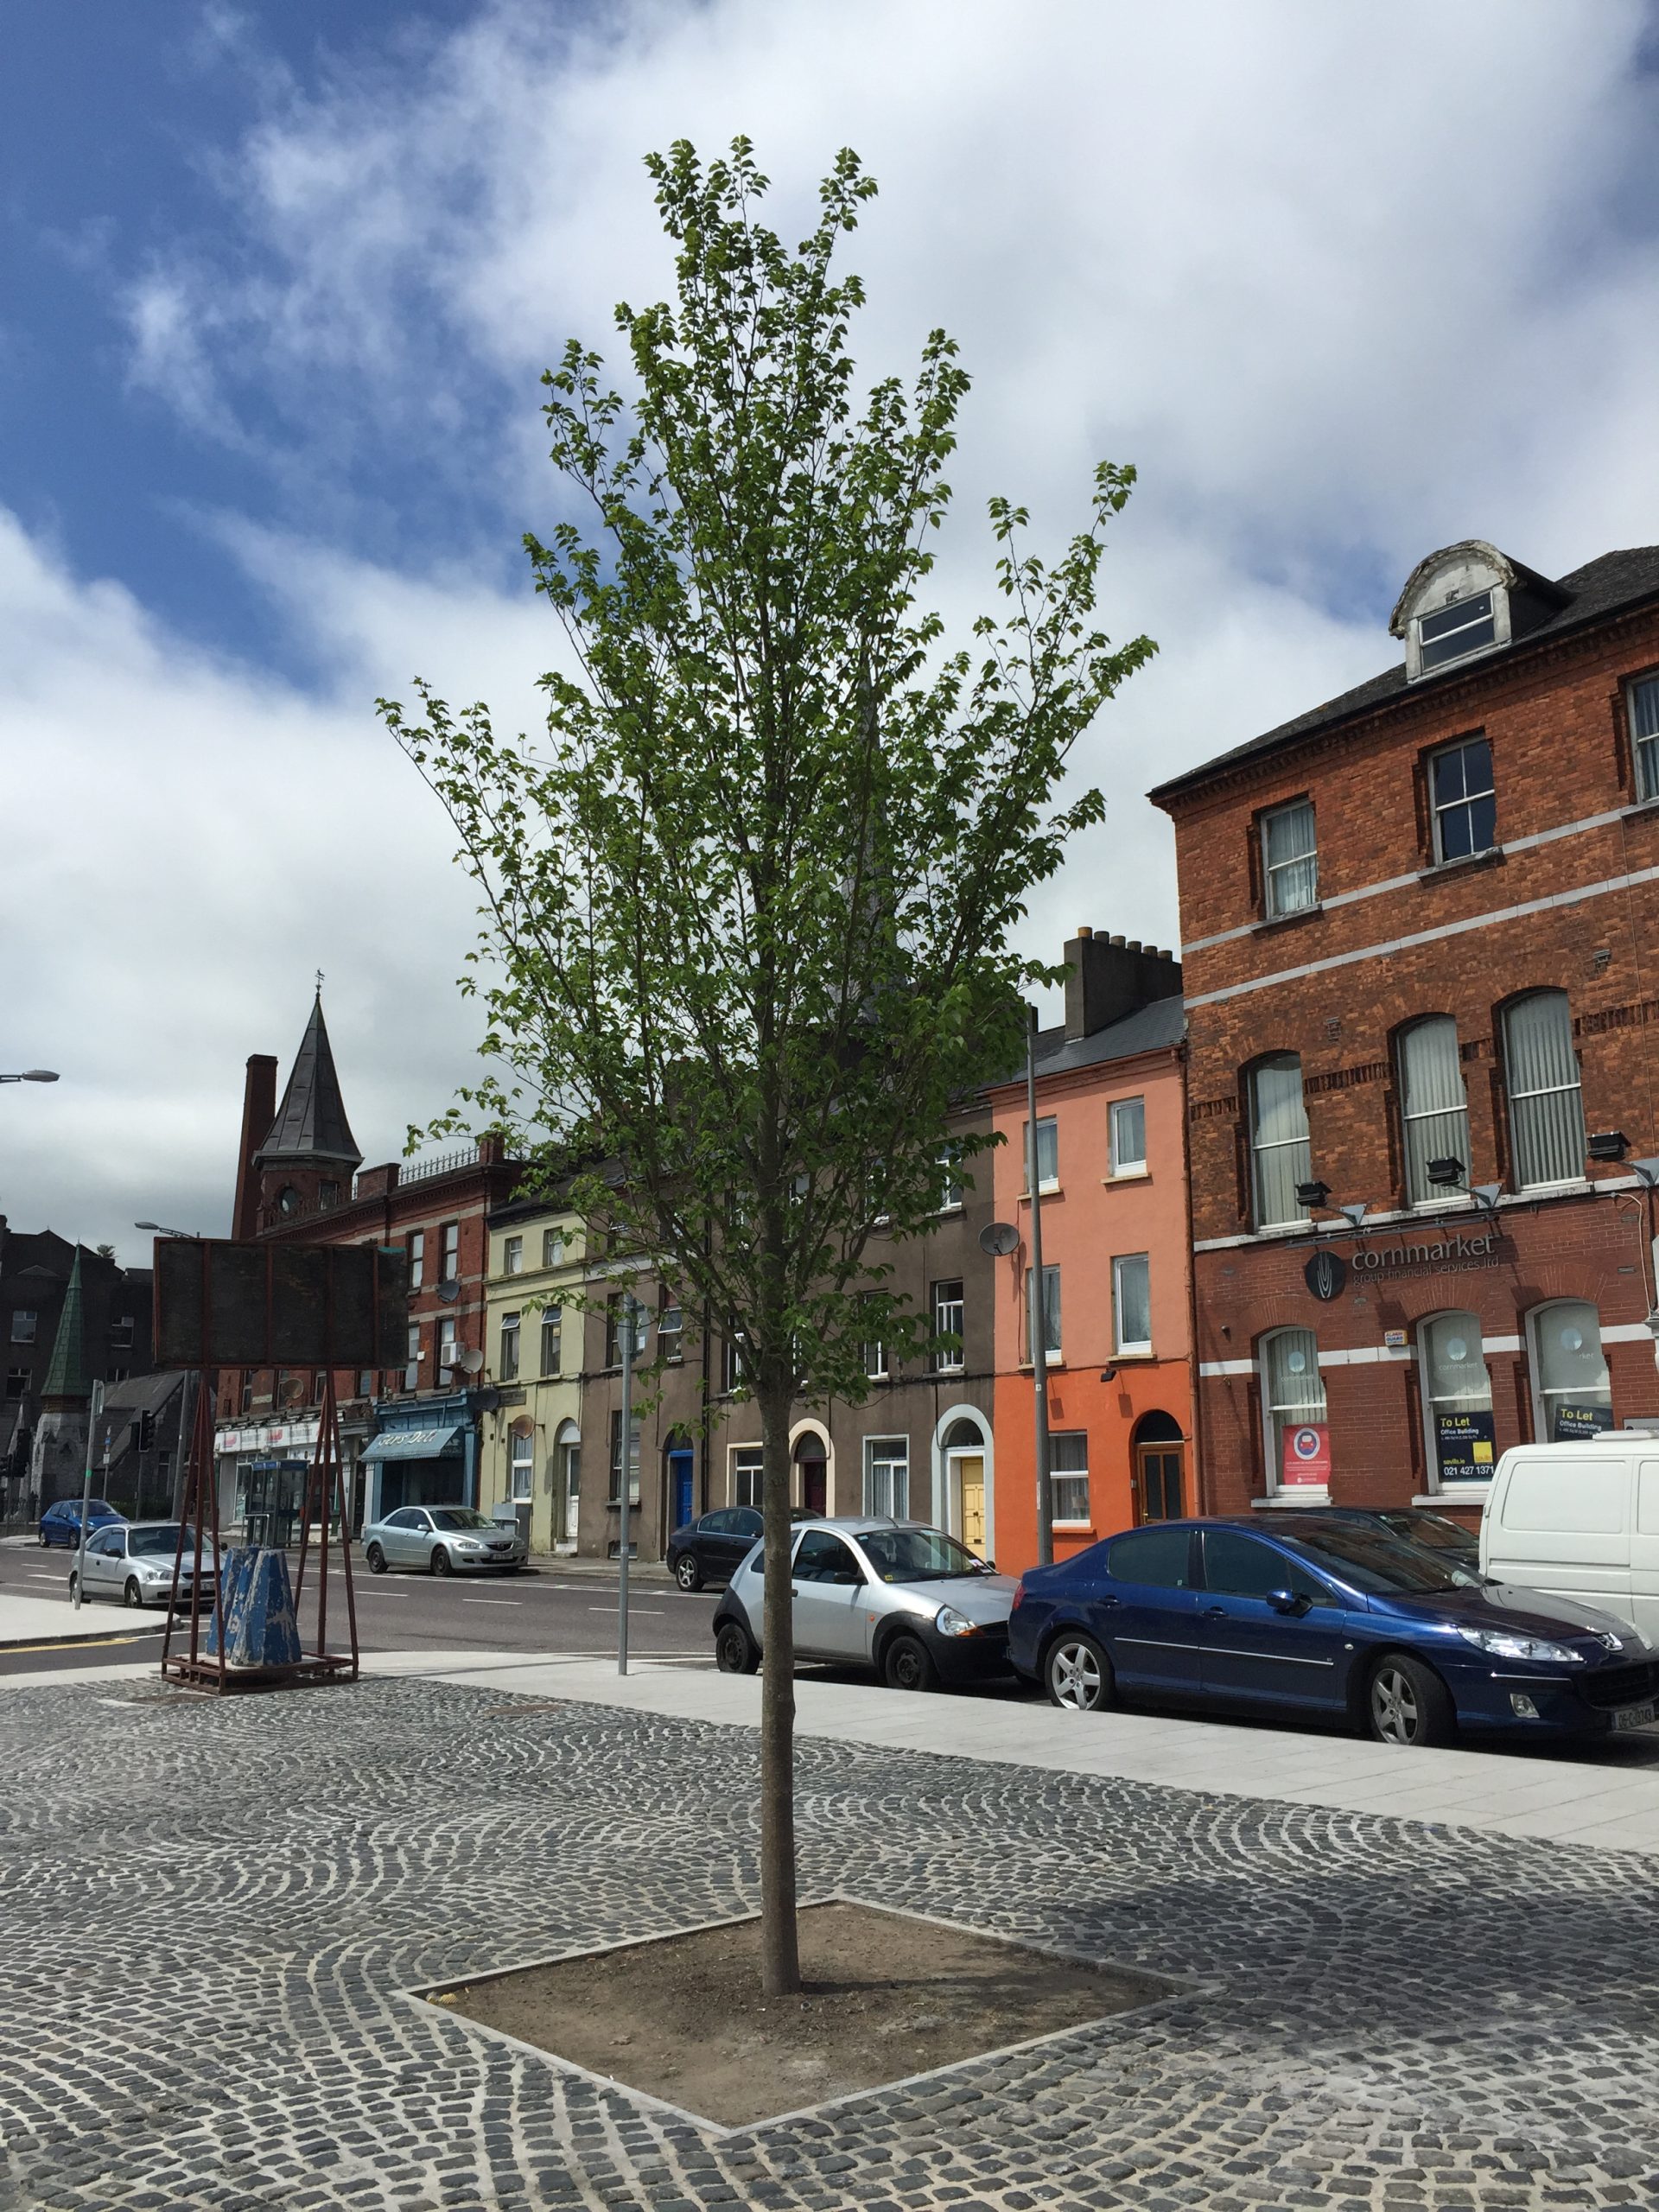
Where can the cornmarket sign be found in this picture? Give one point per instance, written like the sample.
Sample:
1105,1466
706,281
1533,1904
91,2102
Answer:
1417,1255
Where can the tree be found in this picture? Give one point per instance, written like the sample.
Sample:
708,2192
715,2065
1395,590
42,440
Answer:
746,907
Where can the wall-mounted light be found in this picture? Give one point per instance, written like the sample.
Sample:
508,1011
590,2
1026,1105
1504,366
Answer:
1608,1144
1447,1174
1108,1375
1312,1194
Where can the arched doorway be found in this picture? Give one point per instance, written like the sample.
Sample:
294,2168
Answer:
1158,1451
567,1486
963,1446
812,1463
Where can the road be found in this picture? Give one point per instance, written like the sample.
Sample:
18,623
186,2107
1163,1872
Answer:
545,1609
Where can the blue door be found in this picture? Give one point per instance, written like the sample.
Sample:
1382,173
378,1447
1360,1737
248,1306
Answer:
680,1464
1146,1609
1252,1648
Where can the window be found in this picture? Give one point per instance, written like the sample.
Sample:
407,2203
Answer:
616,1459
1158,1558
1132,1302
552,1247
523,1467
1460,791
1573,1396
1281,1153
731,1365
451,1271
1645,735
1546,1113
247,1381
1290,859
512,1255
412,1370
121,1334
448,1351
327,1196
1433,1105
365,1382
670,1331
1293,1397
613,1331
1048,1153
875,1361
1050,1316
509,1368
417,1259
16,1381
552,1340
1457,1398
947,1322
1128,1121
1238,1566
24,1325
949,1180
1067,1475
887,1475
317,1384
1468,627
748,1469
820,1557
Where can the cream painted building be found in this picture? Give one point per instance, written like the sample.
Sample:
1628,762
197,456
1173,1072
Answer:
531,1447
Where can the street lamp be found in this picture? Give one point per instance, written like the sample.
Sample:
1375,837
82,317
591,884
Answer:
191,1234
32,1074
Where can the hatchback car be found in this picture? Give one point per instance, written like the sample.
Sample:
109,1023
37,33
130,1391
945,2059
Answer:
133,1562
1333,1618
711,1549
61,1523
442,1540
909,1603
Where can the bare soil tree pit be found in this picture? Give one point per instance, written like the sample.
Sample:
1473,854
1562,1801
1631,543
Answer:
886,1995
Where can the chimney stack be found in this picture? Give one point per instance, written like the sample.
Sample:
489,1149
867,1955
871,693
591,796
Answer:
1108,977
258,1112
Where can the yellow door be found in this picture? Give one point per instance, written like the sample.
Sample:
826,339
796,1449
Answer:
970,1477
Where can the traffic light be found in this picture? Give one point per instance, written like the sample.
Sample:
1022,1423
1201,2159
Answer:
146,1432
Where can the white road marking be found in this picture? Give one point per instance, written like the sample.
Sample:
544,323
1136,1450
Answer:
659,1610
491,1601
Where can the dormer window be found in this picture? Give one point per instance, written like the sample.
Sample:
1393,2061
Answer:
1468,626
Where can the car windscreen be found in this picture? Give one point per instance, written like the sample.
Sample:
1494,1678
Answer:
163,1537
1383,1565
101,1505
919,1556
451,1517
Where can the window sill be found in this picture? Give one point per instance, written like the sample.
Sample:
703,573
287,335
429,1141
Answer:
1074,1528
1456,1494
1641,808
1141,1356
1044,1191
1269,923
1290,1502
1128,1175
1492,857
1056,1361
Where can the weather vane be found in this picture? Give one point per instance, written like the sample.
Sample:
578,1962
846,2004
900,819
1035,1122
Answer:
318,983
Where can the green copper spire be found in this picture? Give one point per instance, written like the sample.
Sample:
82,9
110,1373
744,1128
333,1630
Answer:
65,1374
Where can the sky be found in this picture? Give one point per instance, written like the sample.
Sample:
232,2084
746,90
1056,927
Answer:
278,284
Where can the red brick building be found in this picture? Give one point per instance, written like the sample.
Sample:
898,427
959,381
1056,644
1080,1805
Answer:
1421,930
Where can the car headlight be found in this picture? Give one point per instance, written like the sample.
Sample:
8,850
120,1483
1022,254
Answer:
950,1621
468,1544
1509,1644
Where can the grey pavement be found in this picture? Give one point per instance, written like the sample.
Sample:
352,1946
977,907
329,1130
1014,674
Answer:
212,1911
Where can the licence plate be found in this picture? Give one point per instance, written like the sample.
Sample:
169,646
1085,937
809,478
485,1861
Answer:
1633,1716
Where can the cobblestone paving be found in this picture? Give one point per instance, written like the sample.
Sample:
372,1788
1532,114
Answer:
206,1911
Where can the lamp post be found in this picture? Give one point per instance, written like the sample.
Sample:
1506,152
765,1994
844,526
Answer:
631,1320
32,1074
1038,1305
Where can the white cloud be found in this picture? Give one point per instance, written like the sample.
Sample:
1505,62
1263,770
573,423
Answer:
1345,285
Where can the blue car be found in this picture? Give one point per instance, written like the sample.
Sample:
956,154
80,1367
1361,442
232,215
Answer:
61,1523
1333,1619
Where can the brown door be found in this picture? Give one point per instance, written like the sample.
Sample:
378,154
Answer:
814,1487
1160,1482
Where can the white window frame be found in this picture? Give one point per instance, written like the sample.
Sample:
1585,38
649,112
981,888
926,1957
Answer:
1513,1097
1437,811
636,1428
1271,1444
876,1360
449,1347
1492,595
950,1186
553,1322
412,1357
522,1470
449,1250
1276,899
1063,1481
553,1248
1431,1441
1259,1146
746,1472
946,1362
416,1258
1053,1353
1121,1261
1045,1183
1431,1195
1643,705
1120,1161
891,1453
671,1341
512,1255
510,1338
1540,1396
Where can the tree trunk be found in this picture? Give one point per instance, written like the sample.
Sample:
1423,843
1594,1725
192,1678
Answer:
780,1965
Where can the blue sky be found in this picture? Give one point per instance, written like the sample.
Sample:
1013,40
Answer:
278,283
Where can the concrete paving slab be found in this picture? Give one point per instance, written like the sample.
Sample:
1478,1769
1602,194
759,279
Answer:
46,1621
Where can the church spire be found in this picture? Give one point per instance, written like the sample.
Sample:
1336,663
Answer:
66,1373
310,1127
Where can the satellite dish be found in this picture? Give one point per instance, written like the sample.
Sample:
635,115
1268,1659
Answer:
449,1290
293,1390
469,1362
523,1427
999,1238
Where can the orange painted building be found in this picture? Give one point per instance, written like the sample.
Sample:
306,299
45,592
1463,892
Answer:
1112,1170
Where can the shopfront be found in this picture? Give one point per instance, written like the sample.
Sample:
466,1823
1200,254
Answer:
261,1468
426,1454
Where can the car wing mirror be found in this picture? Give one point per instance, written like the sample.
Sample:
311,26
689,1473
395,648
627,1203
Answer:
1289,1601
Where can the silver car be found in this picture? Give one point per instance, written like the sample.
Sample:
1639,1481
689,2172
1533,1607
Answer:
132,1561
908,1602
442,1540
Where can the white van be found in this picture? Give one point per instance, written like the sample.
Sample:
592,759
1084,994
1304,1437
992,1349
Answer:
1580,1520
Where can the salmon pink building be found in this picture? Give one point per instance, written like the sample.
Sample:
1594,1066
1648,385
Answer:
1116,1271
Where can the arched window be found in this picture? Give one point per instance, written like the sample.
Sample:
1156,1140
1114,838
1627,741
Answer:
1292,1398
1433,1105
1457,1398
1546,1111
1572,1394
1280,1155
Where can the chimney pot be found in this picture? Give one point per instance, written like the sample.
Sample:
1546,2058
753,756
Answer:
1135,945
1115,940
1108,978
1084,930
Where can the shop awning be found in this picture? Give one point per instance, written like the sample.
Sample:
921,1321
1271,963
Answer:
413,1443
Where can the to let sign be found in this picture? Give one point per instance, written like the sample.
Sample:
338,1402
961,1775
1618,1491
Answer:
1307,1460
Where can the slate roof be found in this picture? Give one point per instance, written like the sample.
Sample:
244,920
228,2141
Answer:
1148,1029
66,1373
310,1123
1602,588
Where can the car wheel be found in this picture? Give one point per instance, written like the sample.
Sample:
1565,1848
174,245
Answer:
907,1664
1077,1673
74,1579
1409,1704
376,1559
734,1651
133,1596
441,1562
46,1541
687,1572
